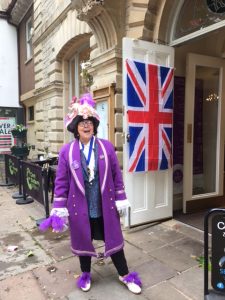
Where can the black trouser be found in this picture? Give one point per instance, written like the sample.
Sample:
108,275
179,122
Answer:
118,260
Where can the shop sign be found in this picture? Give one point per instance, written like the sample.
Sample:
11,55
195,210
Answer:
12,168
32,181
6,138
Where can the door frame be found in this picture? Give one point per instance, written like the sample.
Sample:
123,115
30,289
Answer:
149,192
194,60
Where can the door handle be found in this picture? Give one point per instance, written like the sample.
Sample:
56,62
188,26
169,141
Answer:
189,133
125,136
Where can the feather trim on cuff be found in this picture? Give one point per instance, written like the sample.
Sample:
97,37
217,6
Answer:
55,222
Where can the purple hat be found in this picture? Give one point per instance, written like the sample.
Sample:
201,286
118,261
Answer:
79,110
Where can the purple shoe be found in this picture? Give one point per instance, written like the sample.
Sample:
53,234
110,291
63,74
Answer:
132,281
84,282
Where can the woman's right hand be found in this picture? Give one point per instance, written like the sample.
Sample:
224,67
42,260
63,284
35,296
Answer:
61,212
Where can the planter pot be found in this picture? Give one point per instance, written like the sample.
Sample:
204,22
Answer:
20,151
19,134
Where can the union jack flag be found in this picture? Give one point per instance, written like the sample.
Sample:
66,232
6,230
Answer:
150,115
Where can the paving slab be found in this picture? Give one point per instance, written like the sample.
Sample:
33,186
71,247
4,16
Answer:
140,234
18,261
154,272
190,246
185,229
135,256
190,283
22,287
19,217
166,234
174,258
58,279
56,245
164,291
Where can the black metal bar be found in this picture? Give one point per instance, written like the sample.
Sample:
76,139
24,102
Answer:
24,186
45,182
6,177
20,176
206,246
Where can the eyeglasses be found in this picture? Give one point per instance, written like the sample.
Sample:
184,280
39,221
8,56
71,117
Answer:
85,123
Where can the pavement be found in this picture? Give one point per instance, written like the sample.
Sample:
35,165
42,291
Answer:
42,267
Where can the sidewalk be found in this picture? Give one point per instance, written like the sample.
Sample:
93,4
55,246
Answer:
43,267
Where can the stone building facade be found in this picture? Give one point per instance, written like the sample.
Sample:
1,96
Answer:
60,28
71,32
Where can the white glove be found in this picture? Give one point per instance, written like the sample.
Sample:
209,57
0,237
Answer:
61,212
122,206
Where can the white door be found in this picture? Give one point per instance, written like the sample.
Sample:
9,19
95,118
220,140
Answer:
150,193
204,128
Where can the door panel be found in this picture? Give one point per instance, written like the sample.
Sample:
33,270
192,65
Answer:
204,132
150,193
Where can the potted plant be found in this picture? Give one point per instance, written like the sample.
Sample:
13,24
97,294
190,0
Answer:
22,150
19,131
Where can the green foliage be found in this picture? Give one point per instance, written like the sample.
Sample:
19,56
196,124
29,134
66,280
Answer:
87,78
200,261
19,127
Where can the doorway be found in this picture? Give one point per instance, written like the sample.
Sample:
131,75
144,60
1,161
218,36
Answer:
198,139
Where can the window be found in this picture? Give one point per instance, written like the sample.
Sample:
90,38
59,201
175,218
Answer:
78,84
196,15
29,31
31,113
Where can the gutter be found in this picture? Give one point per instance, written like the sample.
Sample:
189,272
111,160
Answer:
11,6
4,14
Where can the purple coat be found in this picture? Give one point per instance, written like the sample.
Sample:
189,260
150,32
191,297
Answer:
69,192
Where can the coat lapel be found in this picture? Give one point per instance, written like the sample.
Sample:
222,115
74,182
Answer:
102,164
75,165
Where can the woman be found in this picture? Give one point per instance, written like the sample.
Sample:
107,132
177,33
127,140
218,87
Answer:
89,190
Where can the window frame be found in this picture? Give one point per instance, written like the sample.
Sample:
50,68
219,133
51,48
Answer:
76,69
176,41
29,120
28,35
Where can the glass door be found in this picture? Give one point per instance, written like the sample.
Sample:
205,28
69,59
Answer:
204,133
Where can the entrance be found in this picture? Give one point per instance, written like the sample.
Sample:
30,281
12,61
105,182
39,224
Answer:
199,124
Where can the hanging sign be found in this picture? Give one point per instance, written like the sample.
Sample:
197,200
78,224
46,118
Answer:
6,138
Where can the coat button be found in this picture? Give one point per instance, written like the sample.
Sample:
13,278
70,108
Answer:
74,205
75,214
111,199
112,207
73,196
110,190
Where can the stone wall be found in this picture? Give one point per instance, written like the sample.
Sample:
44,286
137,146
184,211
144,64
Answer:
60,27
52,33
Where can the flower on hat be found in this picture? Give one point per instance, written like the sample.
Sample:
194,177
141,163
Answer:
83,107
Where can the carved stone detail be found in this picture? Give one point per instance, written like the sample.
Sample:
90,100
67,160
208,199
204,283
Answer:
90,10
